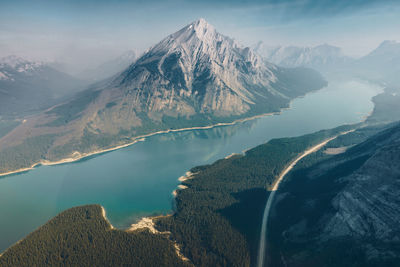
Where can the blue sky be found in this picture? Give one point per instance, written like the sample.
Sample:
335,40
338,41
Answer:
88,32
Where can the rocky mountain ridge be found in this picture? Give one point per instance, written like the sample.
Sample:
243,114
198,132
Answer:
344,208
194,77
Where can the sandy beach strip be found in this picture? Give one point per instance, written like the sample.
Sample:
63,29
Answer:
188,175
80,156
103,212
142,138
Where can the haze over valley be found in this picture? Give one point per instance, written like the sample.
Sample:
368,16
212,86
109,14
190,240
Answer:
199,134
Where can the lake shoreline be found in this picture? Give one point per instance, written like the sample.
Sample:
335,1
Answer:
188,175
136,140
142,137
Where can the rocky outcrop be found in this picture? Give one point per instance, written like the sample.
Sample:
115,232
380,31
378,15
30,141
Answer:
369,205
345,208
194,77
199,71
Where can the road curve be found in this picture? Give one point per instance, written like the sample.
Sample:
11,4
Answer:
262,244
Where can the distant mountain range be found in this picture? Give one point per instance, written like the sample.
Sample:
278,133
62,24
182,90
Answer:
340,206
382,64
27,86
321,56
194,77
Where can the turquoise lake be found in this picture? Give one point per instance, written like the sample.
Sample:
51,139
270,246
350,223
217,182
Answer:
138,180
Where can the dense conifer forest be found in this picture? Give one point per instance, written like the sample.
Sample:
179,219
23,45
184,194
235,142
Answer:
216,219
307,195
82,237
207,221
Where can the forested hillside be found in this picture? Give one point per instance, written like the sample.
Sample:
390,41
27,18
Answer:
343,209
218,217
194,77
82,237
216,220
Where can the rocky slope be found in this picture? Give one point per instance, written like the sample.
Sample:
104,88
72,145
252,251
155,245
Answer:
344,209
194,77
199,71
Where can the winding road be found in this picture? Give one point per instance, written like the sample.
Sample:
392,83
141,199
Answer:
262,244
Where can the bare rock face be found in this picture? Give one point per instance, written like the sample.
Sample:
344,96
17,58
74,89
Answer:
346,208
369,206
197,76
194,77
199,70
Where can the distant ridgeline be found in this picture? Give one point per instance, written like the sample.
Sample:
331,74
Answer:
216,222
343,201
194,77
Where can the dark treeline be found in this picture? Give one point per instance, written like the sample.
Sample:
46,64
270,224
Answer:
296,236
206,221
216,222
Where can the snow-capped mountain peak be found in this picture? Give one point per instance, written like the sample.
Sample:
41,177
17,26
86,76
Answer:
201,28
19,64
198,51
199,65
190,36
194,77
200,42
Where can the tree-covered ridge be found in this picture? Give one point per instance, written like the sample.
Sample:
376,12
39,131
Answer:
81,236
206,222
328,195
216,221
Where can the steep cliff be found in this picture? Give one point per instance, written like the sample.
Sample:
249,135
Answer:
194,77
343,211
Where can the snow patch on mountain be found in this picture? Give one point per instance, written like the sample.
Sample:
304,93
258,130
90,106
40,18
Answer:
19,64
198,54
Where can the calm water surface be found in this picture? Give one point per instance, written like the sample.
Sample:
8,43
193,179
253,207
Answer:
138,180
